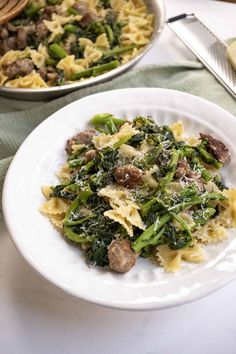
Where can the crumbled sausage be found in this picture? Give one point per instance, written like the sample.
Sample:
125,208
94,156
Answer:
47,13
22,37
90,155
128,175
10,27
121,256
88,15
12,43
81,138
49,74
88,18
81,7
183,170
52,76
4,33
41,32
217,148
43,73
15,37
20,67
7,44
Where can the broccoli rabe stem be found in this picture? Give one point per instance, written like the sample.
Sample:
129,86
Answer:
72,11
118,51
70,221
95,70
122,141
207,157
57,51
150,234
80,221
99,69
75,237
76,162
204,172
109,33
51,62
188,151
176,217
147,206
200,217
204,198
32,10
101,119
111,126
149,159
182,223
69,28
87,167
108,120
189,191
165,181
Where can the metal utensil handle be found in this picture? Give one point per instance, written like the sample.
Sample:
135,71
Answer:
207,47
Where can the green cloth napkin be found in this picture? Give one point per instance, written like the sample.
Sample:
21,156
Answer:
19,118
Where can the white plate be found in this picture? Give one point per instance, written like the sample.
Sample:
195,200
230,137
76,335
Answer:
146,286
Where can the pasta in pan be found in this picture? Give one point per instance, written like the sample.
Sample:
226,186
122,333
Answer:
139,189
33,80
64,41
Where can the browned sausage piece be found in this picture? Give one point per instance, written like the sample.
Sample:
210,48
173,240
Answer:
7,44
21,39
49,74
20,67
81,7
90,155
128,175
218,149
182,168
41,31
80,138
88,15
121,257
47,13
4,33
10,27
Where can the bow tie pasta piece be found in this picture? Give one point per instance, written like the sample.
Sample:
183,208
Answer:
102,141
171,260
32,80
70,66
125,210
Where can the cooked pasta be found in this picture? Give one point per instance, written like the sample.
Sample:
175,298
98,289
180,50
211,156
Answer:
64,41
139,189
33,80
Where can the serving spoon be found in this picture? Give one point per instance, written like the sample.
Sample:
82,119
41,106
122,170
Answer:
10,9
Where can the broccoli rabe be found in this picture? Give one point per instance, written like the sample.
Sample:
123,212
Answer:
172,209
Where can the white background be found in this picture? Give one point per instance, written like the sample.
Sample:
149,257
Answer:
36,317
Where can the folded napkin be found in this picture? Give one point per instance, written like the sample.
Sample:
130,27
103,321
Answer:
19,118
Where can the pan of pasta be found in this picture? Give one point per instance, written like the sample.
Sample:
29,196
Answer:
56,46
137,203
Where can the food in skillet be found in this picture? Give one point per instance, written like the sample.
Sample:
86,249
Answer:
134,189
56,42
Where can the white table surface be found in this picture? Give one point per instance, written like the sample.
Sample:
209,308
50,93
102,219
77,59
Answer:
36,317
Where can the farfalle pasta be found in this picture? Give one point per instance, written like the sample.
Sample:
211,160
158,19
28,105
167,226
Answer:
33,80
135,189
64,41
